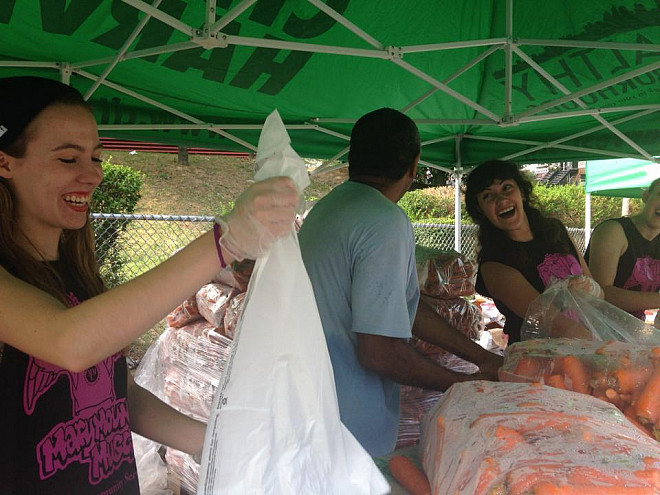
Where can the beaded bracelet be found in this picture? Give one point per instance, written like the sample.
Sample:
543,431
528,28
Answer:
216,234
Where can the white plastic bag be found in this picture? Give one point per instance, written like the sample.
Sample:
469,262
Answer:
274,426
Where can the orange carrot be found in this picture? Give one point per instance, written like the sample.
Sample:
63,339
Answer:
511,437
528,367
647,405
576,375
552,489
650,475
629,380
409,476
629,413
556,381
488,473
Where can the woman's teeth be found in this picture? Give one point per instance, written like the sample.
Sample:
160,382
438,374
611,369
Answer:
506,212
77,200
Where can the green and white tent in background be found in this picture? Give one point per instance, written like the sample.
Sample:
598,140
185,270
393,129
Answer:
623,178
527,80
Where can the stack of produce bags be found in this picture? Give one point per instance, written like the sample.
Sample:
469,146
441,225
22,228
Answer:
445,278
490,438
183,367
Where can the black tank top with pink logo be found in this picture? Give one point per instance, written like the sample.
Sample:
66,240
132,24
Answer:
639,266
63,432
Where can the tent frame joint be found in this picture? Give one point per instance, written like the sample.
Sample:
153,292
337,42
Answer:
394,52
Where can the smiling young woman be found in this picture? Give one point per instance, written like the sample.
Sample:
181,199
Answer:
521,250
62,372
624,256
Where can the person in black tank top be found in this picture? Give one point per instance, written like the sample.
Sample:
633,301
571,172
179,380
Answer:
624,256
521,250
65,391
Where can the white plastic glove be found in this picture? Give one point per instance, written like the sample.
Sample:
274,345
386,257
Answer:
586,284
263,213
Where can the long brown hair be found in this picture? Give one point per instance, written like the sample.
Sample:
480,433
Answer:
76,247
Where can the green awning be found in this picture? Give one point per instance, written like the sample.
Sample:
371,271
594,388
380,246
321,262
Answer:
625,178
544,81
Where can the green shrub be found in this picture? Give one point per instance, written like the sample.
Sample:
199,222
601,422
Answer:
119,192
567,203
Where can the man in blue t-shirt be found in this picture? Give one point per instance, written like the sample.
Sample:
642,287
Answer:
358,248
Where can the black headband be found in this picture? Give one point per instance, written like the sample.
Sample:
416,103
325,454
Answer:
22,98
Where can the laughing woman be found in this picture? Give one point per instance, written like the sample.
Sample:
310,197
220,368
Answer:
67,402
522,250
624,256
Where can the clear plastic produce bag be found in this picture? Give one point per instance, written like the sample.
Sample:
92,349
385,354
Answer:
563,312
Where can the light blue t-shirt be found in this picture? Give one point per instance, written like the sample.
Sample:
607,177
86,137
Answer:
359,251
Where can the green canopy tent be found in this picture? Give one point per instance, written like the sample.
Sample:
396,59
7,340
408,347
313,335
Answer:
530,81
622,178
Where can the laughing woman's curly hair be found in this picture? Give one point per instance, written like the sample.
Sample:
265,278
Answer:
547,229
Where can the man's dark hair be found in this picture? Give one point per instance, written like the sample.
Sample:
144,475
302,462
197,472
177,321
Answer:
384,143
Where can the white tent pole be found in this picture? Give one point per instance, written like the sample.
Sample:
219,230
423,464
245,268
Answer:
436,167
456,74
230,15
147,52
21,63
589,111
508,62
606,45
65,74
444,88
346,23
587,219
210,14
545,74
591,89
162,16
559,146
458,176
127,44
577,135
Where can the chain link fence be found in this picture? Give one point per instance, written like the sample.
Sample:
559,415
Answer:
128,245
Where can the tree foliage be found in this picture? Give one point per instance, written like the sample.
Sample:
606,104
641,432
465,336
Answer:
567,203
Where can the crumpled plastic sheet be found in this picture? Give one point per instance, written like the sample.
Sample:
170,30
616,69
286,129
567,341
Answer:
621,373
212,301
445,274
184,467
183,368
560,312
233,313
485,438
184,313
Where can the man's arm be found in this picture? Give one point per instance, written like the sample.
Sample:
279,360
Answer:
434,329
397,360
607,244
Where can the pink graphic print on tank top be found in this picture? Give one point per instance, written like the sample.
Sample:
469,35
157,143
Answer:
645,275
558,266
98,433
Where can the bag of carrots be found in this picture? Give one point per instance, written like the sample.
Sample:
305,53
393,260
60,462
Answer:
496,438
562,311
626,375
444,274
